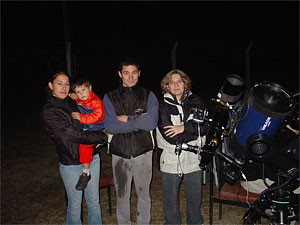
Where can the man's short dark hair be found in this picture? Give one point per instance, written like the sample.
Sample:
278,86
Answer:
80,81
129,62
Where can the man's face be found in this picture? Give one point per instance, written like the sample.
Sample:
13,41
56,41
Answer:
129,75
83,92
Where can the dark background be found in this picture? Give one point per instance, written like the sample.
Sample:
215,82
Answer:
212,36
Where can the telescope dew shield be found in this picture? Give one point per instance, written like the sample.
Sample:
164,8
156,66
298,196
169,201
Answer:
231,89
267,106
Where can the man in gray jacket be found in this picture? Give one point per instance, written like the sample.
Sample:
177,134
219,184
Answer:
131,114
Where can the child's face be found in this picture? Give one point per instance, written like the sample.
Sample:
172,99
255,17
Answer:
83,92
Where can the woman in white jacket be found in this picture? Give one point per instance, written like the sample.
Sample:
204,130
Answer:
176,124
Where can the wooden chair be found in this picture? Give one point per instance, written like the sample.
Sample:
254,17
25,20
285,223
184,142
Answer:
228,194
107,182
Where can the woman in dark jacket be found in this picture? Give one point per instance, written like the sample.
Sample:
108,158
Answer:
67,133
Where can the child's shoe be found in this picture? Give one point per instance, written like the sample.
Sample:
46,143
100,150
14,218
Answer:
83,181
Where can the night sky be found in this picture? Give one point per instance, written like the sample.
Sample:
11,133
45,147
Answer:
212,41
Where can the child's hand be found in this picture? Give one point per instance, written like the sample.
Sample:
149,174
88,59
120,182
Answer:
73,95
76,115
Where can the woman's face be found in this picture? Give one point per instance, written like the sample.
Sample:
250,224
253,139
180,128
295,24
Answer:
176,85
60,86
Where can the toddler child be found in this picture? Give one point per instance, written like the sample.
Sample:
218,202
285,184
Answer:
91,114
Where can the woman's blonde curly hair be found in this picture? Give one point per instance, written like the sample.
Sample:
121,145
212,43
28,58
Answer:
164,84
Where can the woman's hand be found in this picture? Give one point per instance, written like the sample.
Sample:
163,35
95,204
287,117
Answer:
98,145
105,132
294,130
173,130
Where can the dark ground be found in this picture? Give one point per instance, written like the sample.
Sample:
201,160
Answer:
32,191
